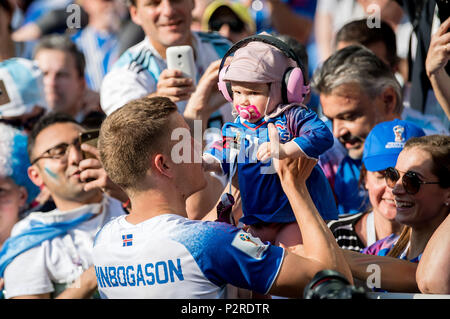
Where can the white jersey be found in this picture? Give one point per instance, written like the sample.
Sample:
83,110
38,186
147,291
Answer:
54,264
172,257
137,71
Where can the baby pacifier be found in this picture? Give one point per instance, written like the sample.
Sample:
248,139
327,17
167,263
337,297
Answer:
249,112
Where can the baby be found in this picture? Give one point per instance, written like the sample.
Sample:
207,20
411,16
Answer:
266,88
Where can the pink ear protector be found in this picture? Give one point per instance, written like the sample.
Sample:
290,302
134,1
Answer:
293,86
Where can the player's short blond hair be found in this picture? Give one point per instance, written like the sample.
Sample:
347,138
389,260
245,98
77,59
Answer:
131,135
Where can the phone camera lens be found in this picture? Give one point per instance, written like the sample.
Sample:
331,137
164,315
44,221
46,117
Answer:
179,56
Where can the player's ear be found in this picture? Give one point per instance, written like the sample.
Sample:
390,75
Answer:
162,165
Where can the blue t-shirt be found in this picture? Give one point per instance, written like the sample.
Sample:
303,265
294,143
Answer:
263,198
351,197
261,15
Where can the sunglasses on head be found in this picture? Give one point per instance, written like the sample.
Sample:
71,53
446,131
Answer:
411,181
236,25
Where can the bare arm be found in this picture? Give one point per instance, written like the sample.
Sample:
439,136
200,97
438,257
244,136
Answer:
206,98
323,26
39,296
83,287
433,272
320,250
438,56
395,275
28,32
441,87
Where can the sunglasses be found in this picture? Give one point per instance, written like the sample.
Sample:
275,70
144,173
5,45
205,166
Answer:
236,26
410,181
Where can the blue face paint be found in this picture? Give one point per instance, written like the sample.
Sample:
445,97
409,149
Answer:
50,173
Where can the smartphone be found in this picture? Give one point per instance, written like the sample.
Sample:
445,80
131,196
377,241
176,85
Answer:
91,138
182,58
444,13
443,10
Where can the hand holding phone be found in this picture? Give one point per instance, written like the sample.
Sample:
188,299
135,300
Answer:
443,10
91,138
94,175
182,58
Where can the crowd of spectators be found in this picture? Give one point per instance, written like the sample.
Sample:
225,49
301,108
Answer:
314,137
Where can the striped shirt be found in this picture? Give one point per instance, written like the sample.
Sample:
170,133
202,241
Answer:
383,246
344,231
101,51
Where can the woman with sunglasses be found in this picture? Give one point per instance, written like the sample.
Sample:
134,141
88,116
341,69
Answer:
420,183
381,149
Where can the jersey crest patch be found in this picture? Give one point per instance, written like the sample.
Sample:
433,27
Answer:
249,245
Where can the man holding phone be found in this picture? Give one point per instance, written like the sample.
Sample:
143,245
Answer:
58,244
142,69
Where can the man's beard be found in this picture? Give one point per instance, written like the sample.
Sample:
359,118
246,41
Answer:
348,138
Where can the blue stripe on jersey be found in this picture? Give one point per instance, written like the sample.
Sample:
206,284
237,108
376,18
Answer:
154,69
136,61
210,244
139,61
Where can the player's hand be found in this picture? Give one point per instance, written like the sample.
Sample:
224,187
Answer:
93,173
439,50
272,148
294,170
173,85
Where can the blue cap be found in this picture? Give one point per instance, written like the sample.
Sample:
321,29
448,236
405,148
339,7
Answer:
385,141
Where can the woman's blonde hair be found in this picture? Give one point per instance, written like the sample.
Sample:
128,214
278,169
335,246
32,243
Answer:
401,243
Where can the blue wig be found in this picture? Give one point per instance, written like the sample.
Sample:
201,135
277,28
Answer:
14,159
